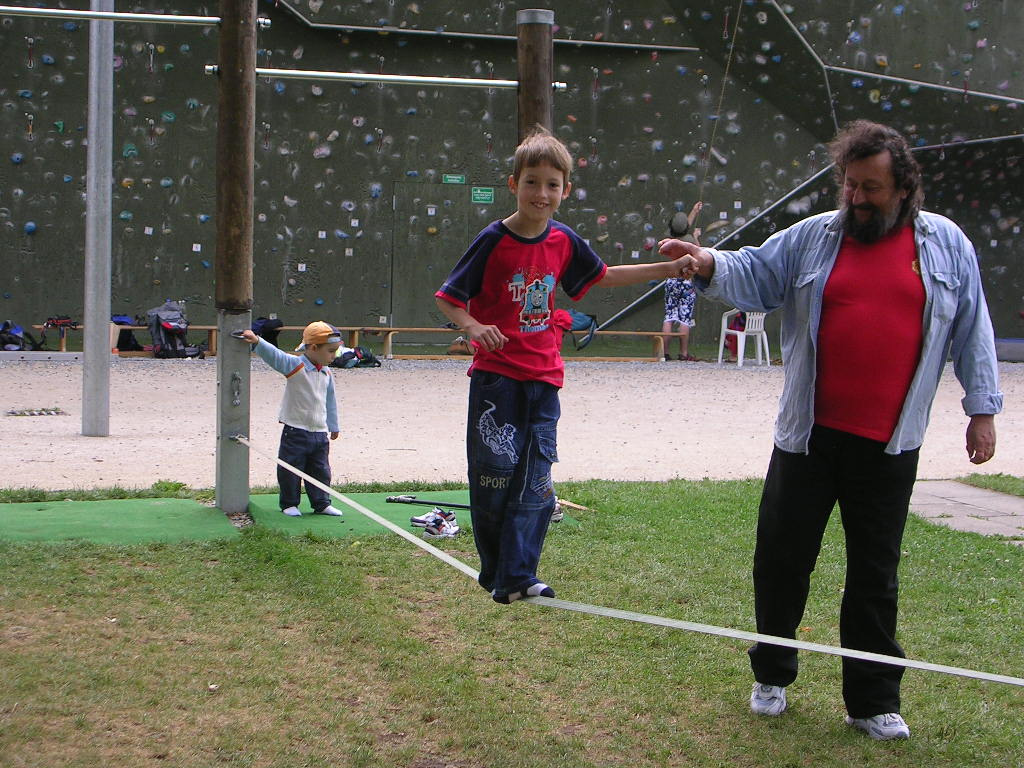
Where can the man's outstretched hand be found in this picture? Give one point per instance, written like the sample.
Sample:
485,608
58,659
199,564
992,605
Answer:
704,264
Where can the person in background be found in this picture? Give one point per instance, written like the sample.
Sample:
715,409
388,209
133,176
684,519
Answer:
680,295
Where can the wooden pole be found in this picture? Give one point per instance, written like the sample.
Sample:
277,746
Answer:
236,137
236,118
535,63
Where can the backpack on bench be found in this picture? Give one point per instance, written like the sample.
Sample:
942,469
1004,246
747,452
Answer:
15,339
267,328
126,340
168,327
357,357
582,324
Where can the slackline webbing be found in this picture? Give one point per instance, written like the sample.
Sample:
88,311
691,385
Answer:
644,618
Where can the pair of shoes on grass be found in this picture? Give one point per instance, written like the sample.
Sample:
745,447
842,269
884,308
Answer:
328,510
540,589
770,700
437,524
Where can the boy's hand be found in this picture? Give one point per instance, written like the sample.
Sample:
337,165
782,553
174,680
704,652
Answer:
487,336
334,435
683,267
246,335
704,263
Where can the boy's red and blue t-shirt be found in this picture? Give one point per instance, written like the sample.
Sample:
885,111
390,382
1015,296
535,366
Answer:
509,281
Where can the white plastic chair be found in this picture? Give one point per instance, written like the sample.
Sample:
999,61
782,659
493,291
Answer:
754,327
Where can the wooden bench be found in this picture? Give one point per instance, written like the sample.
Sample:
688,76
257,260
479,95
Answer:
387,332
115,330
62,333
657,347
390,332
355,332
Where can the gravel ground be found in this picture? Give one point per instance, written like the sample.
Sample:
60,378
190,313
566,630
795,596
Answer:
406,421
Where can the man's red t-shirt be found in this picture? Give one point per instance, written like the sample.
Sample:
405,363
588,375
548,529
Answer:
509,281
870,334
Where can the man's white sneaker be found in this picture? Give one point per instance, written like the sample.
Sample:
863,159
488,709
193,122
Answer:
881,727
768,699
292,512
329,510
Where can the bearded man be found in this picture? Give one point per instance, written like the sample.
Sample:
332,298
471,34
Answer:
874,297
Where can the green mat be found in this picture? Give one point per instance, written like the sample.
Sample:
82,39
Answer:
139,521
114,521
266,511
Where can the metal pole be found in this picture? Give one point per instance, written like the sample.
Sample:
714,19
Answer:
106,15
535,63
236,131
99,177
444,33
363,77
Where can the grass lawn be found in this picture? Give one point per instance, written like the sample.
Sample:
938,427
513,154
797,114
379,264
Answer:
275,651
997,482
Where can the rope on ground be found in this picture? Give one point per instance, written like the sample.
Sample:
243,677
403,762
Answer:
643,618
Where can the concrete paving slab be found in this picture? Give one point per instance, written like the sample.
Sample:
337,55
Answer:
1011,521
937,508
984,526
966,508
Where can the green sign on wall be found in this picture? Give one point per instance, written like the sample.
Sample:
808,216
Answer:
482,194
453,178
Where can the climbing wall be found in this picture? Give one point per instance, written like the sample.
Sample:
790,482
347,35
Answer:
365,194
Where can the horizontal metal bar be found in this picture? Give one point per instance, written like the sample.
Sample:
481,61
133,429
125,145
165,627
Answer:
148,18
923,84
954,143
366,77
388,29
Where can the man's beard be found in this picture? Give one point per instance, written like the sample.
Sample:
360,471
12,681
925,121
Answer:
875,228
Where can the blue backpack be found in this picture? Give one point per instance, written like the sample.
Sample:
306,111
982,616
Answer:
267,328
582,323
13,338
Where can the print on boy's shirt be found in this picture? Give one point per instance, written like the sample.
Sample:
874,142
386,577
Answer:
533,294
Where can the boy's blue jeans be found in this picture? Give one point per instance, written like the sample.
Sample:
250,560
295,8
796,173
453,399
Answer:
510,444
307,451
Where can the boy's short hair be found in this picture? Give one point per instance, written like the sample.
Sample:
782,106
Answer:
319,332
540,147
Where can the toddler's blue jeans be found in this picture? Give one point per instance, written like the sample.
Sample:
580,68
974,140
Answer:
309,452
510,444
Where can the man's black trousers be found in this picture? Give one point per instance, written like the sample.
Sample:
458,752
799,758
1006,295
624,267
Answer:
873,491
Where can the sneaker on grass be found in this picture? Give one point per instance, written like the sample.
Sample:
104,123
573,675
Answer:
768,700
440,529
291,512
433,516
881,727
